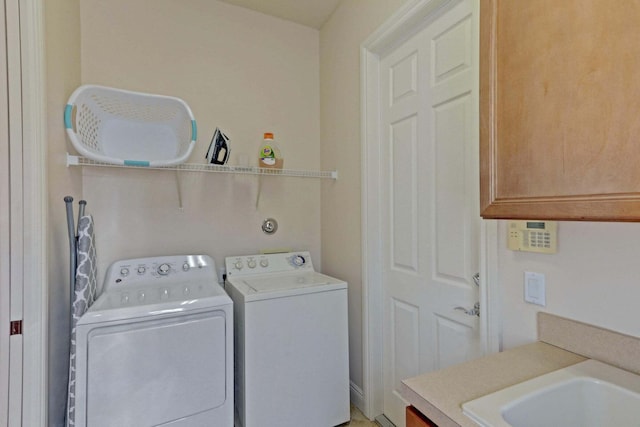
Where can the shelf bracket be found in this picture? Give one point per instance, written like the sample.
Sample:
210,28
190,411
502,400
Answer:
179,189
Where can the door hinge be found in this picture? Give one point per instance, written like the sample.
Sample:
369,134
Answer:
16,327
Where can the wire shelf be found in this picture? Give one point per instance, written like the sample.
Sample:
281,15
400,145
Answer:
196,167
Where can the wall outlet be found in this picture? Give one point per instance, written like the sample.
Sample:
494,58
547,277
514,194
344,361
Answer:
534,288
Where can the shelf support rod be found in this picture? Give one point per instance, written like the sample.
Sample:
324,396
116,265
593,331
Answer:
179,188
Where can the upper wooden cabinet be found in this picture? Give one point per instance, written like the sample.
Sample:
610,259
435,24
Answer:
560,109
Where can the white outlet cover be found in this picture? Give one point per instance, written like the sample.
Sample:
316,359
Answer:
534,288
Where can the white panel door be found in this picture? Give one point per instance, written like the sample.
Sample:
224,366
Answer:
429,187
4,224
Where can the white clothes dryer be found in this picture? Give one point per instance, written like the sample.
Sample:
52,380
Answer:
292,349
156,348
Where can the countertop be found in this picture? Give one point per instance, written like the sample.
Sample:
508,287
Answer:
439,395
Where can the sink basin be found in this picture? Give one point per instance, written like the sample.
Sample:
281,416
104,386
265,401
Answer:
587,394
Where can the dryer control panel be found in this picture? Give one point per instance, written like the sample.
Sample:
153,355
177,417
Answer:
172,268
247,265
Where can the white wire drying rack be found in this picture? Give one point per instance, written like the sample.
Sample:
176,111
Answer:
195,167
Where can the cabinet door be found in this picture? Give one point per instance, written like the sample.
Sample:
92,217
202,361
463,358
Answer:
414,418
560,109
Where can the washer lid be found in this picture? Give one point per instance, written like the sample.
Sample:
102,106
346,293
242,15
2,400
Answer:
281,285
155,299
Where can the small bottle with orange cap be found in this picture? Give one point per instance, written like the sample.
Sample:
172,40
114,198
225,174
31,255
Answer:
270,155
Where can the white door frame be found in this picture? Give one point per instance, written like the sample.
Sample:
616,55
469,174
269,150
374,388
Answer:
5,250
408,20
33,260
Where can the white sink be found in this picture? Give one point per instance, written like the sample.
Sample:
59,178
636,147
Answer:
588,394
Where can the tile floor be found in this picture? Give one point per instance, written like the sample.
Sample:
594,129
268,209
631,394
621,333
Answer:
359,420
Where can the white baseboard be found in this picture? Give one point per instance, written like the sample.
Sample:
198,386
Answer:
357,396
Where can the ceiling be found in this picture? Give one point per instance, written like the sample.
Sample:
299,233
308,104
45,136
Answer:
312,13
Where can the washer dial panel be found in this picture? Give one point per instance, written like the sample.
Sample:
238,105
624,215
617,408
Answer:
268,263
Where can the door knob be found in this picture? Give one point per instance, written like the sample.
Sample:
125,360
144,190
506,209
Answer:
475,311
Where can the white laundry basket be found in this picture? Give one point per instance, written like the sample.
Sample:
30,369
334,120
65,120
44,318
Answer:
129,128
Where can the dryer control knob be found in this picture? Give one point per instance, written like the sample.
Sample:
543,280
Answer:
185,266
298,261
264,263
141,270
163,269
124,271
251,263
238,265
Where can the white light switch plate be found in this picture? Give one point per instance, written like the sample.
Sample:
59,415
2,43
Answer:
534,288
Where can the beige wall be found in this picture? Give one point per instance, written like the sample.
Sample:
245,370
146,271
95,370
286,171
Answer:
62,21
340,40
594,278
242,71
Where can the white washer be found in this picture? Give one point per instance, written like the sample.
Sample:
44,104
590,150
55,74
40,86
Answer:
292,350
156,348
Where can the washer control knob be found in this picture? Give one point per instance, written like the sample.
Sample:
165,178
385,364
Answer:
124,271
298,260
238,265
142,269
251,263
185,266
264,263
163,269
